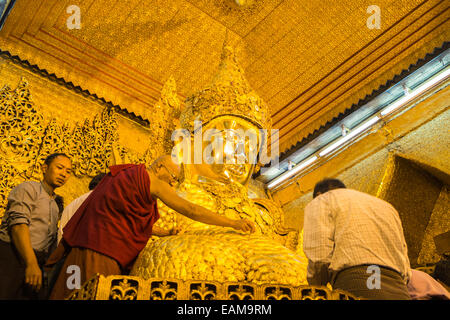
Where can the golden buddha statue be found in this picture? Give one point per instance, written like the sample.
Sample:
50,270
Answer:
231,116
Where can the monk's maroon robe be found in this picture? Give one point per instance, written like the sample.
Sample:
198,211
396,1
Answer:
116,219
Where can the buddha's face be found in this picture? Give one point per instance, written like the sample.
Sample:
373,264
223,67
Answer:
229,148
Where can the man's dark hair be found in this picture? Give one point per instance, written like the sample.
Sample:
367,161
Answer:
51,157
95,180
327,185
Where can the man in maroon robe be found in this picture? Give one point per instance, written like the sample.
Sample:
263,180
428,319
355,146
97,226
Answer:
114,223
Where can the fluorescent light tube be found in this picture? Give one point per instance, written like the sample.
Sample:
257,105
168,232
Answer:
420,89
290,173
349,135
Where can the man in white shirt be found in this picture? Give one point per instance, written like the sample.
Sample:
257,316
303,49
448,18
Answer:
355,242
75,204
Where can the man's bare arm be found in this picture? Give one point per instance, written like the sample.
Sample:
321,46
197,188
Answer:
166,194
20,236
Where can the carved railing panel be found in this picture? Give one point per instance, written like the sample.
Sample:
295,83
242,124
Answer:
121,287
135,288
314,293
164,290
240,292
278,292
89,290
202,290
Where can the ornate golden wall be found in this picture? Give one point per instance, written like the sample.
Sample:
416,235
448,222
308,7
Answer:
40,116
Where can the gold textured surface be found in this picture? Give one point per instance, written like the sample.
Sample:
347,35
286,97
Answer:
413,193
439,223
221,256
309,60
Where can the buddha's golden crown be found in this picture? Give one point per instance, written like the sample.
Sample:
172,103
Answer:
229,94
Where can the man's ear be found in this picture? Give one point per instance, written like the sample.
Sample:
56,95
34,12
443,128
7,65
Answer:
44,168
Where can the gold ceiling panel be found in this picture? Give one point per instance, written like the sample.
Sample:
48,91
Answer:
241,19
309,60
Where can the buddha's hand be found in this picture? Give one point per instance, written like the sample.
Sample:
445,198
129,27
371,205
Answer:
244,225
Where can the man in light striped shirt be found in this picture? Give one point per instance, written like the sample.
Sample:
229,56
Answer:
355,242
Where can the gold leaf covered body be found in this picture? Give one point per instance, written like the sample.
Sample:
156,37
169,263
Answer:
219,254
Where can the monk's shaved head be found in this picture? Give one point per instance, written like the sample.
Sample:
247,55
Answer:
166,169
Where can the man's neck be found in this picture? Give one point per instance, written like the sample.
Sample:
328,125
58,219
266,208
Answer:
49,189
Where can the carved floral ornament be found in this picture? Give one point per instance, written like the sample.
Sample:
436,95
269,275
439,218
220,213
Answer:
27,138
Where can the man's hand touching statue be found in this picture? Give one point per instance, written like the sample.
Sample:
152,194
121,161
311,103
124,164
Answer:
244,225
163,175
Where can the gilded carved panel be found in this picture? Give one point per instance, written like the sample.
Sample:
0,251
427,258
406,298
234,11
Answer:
135,288
27,138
